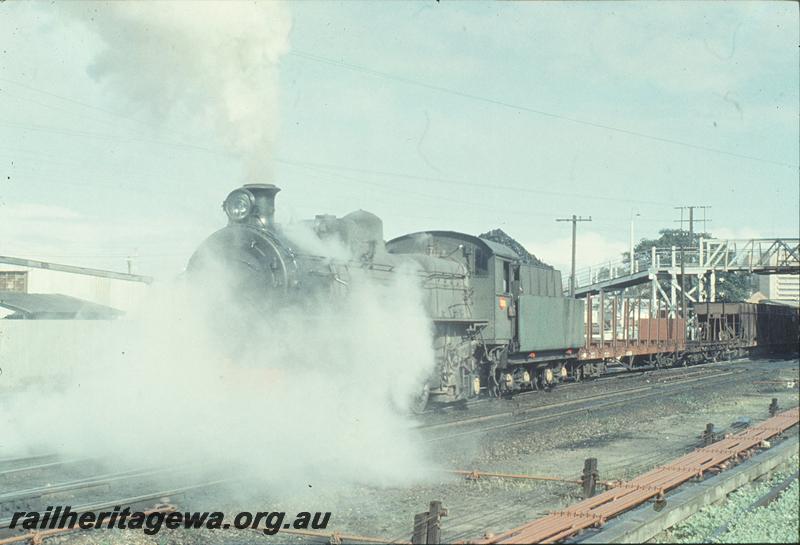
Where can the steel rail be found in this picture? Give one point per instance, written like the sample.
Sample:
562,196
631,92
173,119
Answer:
543,418
620,374
131,500
79,484
668,375
560,387
38,536
475,474
537,408
651,391
26,458
594,511
334,536
43,466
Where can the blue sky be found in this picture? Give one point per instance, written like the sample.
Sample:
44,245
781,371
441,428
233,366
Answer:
453,115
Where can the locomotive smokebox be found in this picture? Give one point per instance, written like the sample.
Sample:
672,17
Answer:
252,203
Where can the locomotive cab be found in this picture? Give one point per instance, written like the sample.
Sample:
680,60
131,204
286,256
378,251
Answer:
531,330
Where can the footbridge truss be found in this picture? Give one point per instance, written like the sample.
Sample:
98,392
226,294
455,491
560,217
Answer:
694,268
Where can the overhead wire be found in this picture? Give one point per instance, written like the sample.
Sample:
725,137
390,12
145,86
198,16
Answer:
320,165
294,162
332,167
520,189
534,214
523,108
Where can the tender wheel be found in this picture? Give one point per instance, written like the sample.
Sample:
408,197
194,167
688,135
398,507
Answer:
657,361
547,379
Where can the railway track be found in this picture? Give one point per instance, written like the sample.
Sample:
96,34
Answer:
525,401
478,515
34,458
615,375
554,411
28,494
531,397
97,491
662,383
650,486
38,467
133,500
144,498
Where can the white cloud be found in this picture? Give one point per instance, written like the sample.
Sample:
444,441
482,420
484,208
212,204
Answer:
33,211
591,249
742,232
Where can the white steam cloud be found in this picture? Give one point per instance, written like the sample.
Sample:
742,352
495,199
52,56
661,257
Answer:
306,394
302,396
209,66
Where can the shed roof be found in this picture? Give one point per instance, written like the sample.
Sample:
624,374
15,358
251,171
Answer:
37,306
33,263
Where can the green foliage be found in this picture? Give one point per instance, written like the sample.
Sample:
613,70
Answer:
668,238
731,286
734,286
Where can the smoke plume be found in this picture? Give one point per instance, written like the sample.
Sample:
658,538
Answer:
205,66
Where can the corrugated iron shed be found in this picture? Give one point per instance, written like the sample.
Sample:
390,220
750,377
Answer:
54,306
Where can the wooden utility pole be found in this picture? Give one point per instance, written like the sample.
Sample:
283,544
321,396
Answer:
574,219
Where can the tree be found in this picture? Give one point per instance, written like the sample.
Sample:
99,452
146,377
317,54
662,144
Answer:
668,238
731,286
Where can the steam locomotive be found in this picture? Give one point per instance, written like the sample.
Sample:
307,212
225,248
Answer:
500,325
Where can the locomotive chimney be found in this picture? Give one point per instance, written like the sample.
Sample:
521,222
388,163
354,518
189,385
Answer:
264,209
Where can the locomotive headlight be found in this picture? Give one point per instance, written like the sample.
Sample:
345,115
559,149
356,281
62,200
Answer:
239,204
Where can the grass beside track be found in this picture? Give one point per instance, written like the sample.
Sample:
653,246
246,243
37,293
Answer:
777,522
